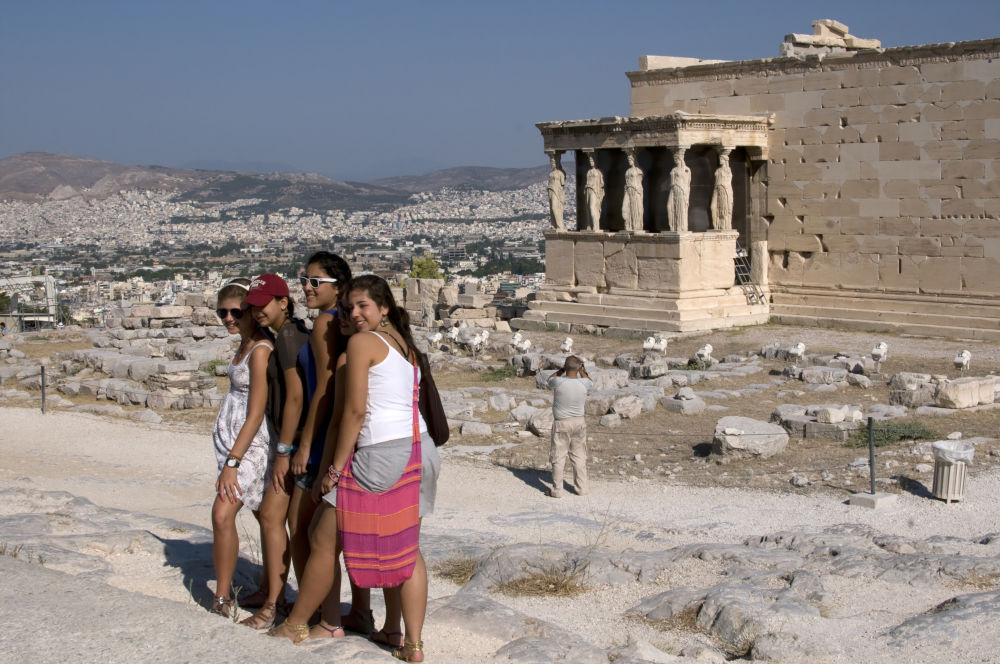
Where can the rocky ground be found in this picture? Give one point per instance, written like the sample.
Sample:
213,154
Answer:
677,554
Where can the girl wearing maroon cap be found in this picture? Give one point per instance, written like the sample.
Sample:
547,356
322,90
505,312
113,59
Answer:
272,307
242,438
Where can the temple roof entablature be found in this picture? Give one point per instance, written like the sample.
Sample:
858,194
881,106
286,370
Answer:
675,130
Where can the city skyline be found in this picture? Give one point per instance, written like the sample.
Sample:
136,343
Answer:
373,90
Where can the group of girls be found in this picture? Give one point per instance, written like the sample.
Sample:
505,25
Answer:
306,408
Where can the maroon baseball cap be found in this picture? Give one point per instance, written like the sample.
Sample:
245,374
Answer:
265,288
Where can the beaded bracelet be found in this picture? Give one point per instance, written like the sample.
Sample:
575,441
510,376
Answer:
334,473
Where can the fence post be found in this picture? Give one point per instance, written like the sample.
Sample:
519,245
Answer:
43,389
871,452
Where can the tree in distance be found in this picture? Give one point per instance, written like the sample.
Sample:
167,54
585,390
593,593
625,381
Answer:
425,267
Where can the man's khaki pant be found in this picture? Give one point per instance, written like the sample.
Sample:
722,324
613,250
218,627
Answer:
569,436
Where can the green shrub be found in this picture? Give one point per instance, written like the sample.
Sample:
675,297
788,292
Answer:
891,431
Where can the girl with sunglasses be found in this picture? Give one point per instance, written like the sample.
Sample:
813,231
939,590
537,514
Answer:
242,438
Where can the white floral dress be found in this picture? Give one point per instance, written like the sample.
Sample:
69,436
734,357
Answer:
255,467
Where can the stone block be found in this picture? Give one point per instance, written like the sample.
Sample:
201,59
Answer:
963,90
745,437
898,152
940,275
474,301
559,262
620,265
899,273
693,406
588,263
628,406
170,312
839,98
965,392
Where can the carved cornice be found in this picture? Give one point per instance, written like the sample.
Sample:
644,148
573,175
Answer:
902,56
674,130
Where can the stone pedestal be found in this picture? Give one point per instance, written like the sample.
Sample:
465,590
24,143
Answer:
636,283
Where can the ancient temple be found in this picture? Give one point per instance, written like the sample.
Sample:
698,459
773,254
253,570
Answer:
840,184
663,204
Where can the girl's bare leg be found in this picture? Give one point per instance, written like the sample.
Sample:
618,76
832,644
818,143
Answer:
319,573
274,543
225,544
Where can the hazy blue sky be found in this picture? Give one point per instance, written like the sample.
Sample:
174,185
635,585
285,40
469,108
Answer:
361,90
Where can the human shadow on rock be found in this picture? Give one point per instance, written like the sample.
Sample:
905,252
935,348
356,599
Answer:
194,561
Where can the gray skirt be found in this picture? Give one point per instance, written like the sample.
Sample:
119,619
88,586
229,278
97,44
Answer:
377,467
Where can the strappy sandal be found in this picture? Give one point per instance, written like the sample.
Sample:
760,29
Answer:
408,650
331,632
222,606
299,633
360,622
384,638
263,618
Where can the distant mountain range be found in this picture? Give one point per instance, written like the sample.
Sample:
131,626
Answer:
39,176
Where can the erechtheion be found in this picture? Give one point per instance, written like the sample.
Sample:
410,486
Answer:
840,184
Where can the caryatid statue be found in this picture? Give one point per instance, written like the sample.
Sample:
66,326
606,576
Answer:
632,201
557,193
594,193
722,194
680,192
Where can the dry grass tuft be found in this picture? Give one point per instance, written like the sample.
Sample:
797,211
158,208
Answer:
564,578
457,570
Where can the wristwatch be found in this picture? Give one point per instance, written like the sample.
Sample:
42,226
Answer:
232,462
286,449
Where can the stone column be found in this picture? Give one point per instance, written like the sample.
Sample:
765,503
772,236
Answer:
632,211
722,194
557,193
680,192
593,193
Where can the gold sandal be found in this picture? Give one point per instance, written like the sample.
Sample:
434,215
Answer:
299,633
408,650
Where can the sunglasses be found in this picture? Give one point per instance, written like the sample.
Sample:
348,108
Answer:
315,281
235,313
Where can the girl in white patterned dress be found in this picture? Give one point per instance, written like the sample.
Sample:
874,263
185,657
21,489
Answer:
242,438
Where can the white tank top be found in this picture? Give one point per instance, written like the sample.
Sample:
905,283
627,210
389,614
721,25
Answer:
389,411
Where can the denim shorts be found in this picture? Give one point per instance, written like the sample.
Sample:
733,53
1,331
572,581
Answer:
306,480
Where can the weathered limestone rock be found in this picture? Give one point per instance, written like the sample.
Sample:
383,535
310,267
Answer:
966,392
685,402
746,437
628,407
610,420
823,375
540,423
476,429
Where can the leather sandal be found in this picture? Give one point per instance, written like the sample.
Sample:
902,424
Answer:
298,633
408,650
263,618
222,606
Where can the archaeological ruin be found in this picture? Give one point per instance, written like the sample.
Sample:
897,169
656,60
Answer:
841,184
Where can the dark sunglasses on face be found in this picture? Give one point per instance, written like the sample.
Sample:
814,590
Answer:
235,313
315,281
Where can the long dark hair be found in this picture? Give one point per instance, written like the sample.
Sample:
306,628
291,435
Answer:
380,293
